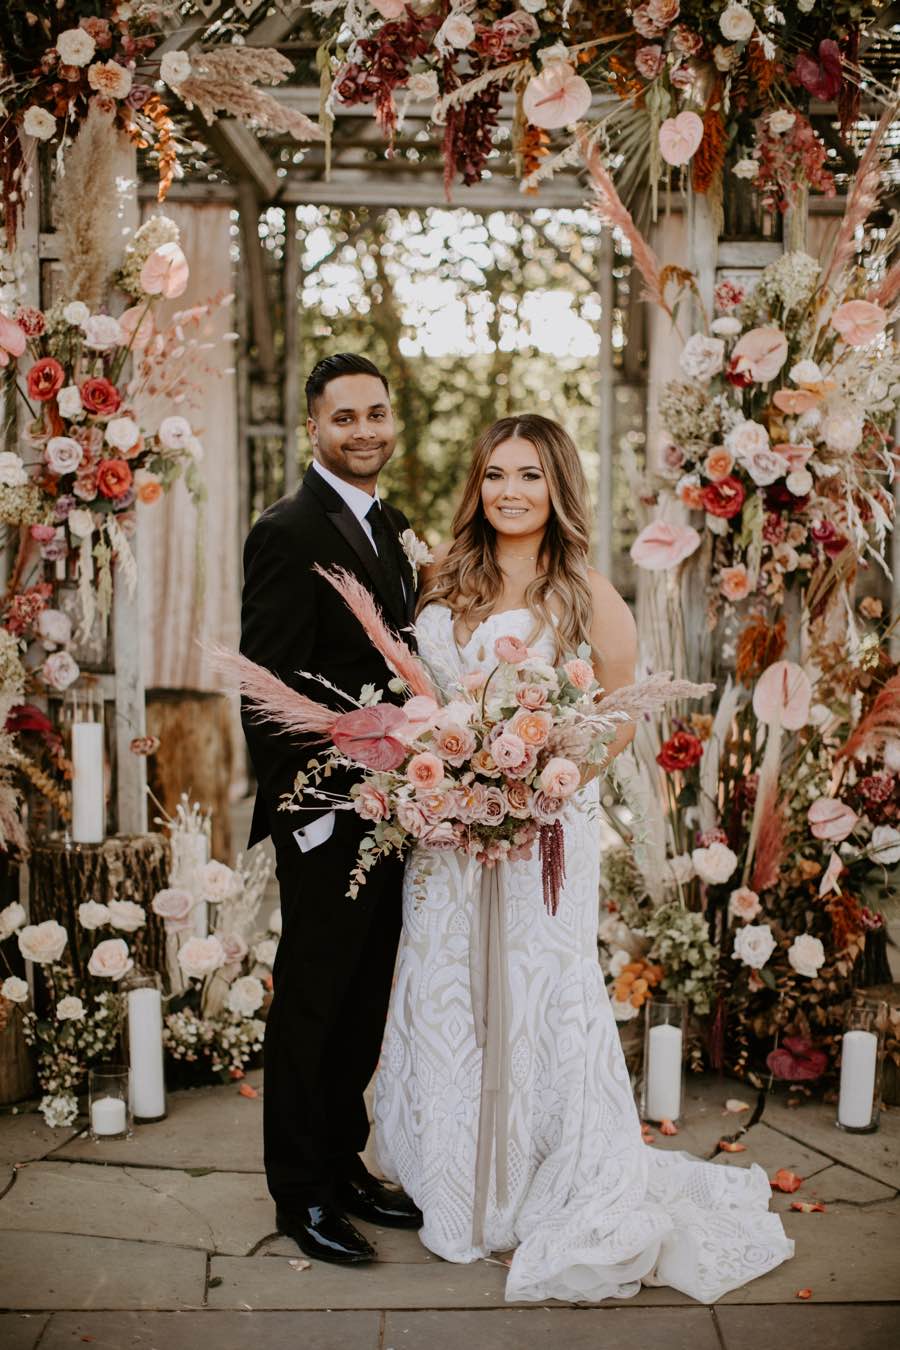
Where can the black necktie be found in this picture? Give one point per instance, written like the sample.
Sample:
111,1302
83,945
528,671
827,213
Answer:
386,547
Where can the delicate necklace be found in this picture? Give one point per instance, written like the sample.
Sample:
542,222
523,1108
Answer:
520,557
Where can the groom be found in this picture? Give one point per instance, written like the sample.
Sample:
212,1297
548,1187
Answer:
335,959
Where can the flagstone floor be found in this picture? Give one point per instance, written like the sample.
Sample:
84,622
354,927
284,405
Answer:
166,1241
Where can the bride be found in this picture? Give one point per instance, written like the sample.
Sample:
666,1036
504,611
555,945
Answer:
589,1208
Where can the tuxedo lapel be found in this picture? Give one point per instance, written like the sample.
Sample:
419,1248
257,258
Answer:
345,522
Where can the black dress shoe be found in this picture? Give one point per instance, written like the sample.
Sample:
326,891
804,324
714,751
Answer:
324,1232
369,1199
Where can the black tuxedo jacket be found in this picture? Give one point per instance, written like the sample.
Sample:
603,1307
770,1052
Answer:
293,620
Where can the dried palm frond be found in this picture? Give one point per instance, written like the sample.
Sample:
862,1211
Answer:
766,802
711,762
86,205
880,726
862,198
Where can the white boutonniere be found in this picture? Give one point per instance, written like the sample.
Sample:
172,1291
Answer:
417,552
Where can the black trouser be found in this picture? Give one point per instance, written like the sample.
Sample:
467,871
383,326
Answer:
332,982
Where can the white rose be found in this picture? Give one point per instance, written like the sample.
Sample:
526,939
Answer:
681,868
234,946
764,466
842,428
613,931
457,31
174,906
806,6
623,1011
102,331
110,959
200,956
275,921
127,916
122,433
75,47
44,942
754,944
805,372
14,989
216,882
726,326
884,846
716,524
800,482
92,916
174,433
781,121
174,68
422,87
63,454
12,471
264,952
746,168
68,400
806,954
59,671
701,357
80,523
70,1009
736,23
714,864
75,313
246,995
746,438
743,904
39,123
533,6
54,628
11,919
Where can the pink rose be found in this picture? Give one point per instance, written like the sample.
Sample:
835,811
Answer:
648,61
493,809
443,835
546,809
412,818
532,727
830,818
508,750
664,11
371,803
662,545
760,354
518,800
174,906
531,696
524,769
646,24
110,959
560,777
744,904
764,467
425,770
518,30
234,946
580,673
469,802
436,805
455,743
859,322
510,649
734,582
679,137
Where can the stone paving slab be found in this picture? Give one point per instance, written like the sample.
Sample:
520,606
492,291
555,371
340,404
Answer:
24,1137
704,1119
205,1127
878,1154
214,1331
772,1150
833,1328
50,1270
21,1331
836,1183
552,1329
392,1244
228,1212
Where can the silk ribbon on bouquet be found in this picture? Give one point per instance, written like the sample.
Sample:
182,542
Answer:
490,1008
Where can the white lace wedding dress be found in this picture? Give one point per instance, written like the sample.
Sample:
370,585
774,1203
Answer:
591,1210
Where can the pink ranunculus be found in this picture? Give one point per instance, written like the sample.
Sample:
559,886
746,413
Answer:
859,322
662,545
425,770
679,137
370,736
510,649
560,777
744,904
12,340
734,582
556,97
531,696
371,803
580,673
518,800
830,818
508,750
760,354
783,688
165,272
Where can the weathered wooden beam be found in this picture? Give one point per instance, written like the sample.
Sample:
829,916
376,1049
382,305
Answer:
243,156
260,313
606,412
291,280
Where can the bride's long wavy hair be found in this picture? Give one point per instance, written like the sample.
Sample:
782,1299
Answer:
469,580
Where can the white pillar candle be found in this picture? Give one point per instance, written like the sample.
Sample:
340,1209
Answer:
87,783
664,1073
108,1115
859,1056
145,1052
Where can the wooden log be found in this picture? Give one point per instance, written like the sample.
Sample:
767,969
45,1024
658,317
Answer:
196,755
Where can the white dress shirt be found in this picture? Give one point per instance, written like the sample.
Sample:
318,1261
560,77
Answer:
360,502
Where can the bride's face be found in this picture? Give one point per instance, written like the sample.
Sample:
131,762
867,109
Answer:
514,491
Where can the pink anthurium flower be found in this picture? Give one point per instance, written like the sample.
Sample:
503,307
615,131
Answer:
679,137
662,544
165,272
859,322
366,735
830,818
12,340
783,689
760,354
556,97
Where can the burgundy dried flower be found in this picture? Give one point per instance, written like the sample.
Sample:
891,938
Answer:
31,321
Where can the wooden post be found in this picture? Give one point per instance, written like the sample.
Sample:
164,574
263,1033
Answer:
291,278
606,414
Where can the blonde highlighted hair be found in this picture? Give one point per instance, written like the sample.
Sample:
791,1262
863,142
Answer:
469,580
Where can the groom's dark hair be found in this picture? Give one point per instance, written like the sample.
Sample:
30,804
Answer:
331,368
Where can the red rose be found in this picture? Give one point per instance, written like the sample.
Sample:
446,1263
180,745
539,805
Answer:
724,498
113,478
680,751
99,396
45,379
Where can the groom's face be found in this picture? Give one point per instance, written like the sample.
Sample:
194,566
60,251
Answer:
351,428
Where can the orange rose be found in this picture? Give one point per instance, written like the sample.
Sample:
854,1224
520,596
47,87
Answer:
532,727
719,463
113,478
149,490
690,493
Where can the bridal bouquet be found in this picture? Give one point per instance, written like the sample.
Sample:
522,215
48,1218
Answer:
487,768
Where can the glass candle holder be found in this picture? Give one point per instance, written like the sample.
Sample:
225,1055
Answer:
83,716
662,1091
108,1095
142,992
862,1059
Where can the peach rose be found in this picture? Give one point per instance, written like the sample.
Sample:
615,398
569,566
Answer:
662,545
454,743
744,904
508,750
689,492
483,762
719,463
436,805
469,799
110,78
518,800
859,322
830,818
560,777
148,486
371,803
425,770
679,137
734,582
580,673
510,649
532,727
531,696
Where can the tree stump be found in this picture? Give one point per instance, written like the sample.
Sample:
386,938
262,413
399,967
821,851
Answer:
196,755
